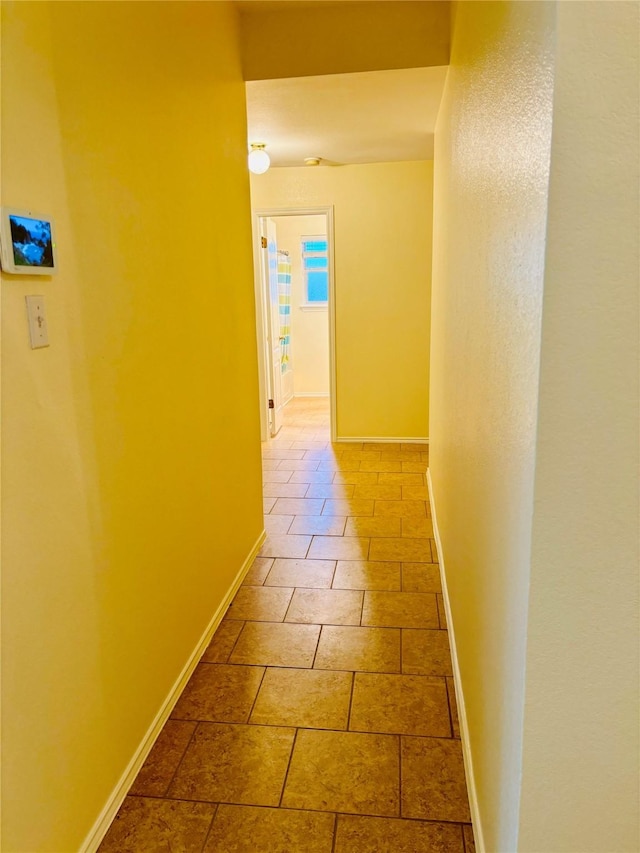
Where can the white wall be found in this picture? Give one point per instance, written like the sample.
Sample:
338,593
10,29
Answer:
309,328
492,156
383,228
580,749
534,415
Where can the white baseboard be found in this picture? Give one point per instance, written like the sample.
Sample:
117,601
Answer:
462,711
106,816
385,440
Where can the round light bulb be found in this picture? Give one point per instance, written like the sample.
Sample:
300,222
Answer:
259,161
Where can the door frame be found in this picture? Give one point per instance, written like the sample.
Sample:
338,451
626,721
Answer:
262,315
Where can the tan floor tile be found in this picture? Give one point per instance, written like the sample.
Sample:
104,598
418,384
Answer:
329,465
260,604
417,467
417,528
426,652
433,781
223,641
275,476
379,492
297,506
258,571
413,446
421,577
363,574
313,574
234,764
356,478
400,610
372,526
157,771
469,840
298,465
277,644
408,509
267,503
285,545
284,490
348,507
325,607
415,493
305,698
364,649
390,835
383,466
271,452
404,550
442,613
220,693
308,444
270,464
434,551
322,455
344,772
278,524
248,829
311,476
332,491
400,704
382,446
453,706
319,525
362,455
348,446
151,824
402,479
338,548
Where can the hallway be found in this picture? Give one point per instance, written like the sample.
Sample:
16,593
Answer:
324,708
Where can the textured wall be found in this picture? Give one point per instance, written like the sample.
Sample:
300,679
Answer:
490,201
126,514
581,712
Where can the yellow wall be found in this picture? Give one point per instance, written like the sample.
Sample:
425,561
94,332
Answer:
298,39
126,122
309,328
580,749
491,171
383,225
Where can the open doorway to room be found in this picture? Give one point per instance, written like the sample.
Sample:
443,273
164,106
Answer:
295,315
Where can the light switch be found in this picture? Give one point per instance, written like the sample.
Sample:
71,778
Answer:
37,322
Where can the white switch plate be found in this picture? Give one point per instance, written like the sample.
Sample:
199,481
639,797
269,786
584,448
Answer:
37,321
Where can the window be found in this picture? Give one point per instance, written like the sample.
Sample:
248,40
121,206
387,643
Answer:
316,270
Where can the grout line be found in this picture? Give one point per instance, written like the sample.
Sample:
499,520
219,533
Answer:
235,642
353,687
178,765
315,654
433,821
400,776
286,775
208,832
335,832
255,698
446,687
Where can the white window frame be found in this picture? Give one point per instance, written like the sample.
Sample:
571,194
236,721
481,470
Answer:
306,305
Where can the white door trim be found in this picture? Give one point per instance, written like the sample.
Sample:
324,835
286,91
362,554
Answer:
262,316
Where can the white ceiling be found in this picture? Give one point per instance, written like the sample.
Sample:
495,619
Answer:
368,117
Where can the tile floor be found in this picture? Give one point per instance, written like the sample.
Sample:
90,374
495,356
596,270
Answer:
322,717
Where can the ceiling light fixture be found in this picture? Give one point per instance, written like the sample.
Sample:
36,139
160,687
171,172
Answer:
312,161
259,160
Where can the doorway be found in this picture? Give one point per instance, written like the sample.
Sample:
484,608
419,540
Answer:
295,308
